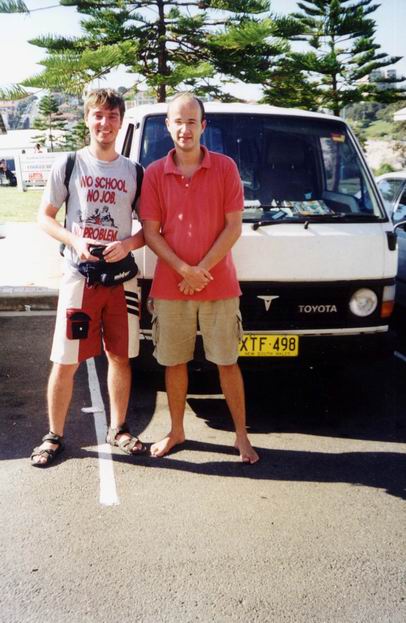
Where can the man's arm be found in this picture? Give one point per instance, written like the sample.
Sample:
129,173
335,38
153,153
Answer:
47,221
225,241
197,277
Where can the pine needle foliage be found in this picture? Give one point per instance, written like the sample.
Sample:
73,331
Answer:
167,44
13,6
343,53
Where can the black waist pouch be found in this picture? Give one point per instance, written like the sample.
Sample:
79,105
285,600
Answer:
108,273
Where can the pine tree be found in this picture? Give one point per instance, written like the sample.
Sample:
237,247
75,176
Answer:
168,44
48,121
285,86
77,138
343,53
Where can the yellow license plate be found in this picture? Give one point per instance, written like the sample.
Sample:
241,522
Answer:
258,345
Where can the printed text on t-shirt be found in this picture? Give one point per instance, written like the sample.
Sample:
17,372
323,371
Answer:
102,188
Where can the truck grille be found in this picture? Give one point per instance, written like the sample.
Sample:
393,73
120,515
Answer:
270,307
296,306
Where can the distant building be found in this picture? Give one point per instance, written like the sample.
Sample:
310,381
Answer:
400,115
140,98
7,108
379,76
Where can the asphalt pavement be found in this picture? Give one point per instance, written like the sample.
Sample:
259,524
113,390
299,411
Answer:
312,533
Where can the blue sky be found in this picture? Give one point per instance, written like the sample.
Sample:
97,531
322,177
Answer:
19,59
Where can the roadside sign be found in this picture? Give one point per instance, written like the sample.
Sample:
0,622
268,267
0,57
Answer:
33,169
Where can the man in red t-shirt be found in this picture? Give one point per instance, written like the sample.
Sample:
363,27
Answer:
191,207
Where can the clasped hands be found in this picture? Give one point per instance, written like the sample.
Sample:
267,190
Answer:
195,279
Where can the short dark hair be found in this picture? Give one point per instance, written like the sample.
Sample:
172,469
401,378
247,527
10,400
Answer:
104,97
190,96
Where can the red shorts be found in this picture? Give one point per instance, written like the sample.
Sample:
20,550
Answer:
86,316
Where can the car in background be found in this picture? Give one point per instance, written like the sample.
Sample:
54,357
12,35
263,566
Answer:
392,187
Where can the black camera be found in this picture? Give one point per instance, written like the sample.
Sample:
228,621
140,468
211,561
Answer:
97,250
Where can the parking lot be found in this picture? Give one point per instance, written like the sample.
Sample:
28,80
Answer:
313,532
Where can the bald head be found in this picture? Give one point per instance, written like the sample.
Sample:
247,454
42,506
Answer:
186,98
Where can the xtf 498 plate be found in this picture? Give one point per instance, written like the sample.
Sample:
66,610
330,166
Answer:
257,345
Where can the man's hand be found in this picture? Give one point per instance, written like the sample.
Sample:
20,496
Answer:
186,289
82,248
116,251
195,277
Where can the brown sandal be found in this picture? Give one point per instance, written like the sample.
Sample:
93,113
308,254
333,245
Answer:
48,453
127,444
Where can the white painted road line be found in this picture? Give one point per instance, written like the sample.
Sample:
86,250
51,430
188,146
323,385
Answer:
108,491
400,356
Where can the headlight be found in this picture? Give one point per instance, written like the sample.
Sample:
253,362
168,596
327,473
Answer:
363,302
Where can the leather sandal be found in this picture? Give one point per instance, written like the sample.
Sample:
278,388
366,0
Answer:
127,444
49,454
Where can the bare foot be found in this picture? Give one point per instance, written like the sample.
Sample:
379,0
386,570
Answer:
160,448
247,452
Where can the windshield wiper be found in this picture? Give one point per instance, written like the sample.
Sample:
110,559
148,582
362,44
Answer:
274,217
320,218
360,217
259,224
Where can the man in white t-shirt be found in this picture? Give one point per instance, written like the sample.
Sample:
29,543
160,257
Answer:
100,193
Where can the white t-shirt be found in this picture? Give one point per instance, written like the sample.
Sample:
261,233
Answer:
100,197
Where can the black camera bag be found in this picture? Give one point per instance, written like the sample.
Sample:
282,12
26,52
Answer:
108,273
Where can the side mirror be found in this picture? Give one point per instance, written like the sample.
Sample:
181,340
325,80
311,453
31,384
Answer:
401,224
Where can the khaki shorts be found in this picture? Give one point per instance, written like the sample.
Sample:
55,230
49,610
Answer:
175,325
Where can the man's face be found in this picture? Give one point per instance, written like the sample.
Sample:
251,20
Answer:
104,124
184,124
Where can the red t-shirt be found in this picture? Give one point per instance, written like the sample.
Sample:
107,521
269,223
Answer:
192,212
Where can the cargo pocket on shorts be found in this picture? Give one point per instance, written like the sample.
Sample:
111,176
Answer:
77,324
155,329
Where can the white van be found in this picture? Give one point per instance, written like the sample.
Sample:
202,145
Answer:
317,258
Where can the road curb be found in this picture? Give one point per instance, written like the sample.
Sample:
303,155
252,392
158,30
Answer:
26,298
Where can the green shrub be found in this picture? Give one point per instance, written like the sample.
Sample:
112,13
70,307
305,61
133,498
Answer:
384,168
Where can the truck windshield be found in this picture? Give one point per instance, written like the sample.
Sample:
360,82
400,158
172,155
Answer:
292,168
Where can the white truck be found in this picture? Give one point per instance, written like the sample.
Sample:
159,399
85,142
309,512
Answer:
317,258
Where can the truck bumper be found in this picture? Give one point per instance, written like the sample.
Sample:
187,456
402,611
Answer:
313,350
